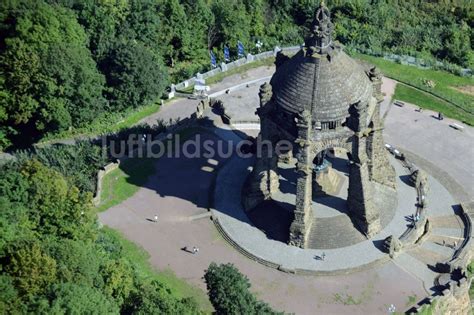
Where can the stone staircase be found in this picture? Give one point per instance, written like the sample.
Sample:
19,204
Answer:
333,232
438,247
328,182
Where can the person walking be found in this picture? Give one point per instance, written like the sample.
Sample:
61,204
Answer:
323,256
155,218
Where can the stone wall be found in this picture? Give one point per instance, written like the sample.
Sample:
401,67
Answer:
223,67
455,299
416,232
179,125
100,177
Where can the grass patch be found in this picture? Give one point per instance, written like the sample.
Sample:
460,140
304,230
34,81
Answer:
189,89
106,123
268,62
412,299
140,258
244,68
136,116
124,182
428,309
445,82
411,95
346,299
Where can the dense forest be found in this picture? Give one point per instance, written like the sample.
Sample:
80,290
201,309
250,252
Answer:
66,63
55,259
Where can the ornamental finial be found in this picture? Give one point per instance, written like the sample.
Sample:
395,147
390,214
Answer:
322,29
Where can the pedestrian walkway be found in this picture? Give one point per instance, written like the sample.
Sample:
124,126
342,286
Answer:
237,225
422,260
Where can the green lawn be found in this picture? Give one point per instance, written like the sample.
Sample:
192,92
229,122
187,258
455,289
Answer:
122,183
414,96
239,70
470,273
106,123
446,84
179,287
428,309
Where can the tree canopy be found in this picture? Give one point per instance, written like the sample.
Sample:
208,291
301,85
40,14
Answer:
65,64
49,80
55,259
229,292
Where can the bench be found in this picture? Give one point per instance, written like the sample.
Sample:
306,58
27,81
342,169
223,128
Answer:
457,127
399,103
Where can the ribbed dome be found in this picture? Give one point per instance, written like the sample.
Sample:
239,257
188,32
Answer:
328,93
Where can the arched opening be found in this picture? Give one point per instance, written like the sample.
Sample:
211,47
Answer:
332,224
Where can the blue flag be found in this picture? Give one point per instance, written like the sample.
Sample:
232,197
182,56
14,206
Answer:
213,59
226,54
240,49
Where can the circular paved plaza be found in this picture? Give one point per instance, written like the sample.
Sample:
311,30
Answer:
344,247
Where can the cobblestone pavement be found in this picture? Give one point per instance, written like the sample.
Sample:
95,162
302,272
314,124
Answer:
179,191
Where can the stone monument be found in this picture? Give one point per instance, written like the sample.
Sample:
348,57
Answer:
321,99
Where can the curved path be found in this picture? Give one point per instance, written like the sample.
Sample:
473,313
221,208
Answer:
178,191
234,221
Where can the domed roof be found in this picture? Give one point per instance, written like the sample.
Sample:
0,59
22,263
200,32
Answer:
321,77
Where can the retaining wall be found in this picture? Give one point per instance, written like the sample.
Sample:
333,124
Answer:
180,125
223,67
454,299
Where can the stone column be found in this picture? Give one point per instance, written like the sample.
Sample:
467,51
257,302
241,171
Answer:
380,169
263,181
360,194
376,78
301,225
